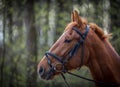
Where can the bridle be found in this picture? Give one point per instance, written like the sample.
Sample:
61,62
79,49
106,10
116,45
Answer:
71,53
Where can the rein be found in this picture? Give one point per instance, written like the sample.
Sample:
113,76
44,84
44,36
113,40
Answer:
74,50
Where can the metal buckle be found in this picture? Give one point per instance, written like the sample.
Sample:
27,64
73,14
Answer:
59,67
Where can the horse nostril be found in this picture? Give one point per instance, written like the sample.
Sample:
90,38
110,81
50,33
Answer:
41,71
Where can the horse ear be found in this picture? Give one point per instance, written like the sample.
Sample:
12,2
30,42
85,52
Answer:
77,18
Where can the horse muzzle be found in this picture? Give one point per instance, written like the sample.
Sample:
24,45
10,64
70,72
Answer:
47,75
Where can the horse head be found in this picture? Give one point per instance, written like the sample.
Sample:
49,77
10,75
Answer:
66,53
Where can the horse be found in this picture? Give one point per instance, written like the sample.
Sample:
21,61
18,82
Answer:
82,44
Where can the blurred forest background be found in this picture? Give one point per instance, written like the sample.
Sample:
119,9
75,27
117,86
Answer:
29,27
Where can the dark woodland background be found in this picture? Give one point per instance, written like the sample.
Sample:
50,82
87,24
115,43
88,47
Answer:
29,27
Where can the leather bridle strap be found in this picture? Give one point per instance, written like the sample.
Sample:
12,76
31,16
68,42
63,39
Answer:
81,42
95,81
83,35
65,80
78,44
58,58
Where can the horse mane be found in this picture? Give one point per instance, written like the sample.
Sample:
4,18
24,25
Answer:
99,31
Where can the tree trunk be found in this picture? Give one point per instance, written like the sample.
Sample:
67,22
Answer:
52,23
106,19
3,48
10,40
43,24
10,20
31,43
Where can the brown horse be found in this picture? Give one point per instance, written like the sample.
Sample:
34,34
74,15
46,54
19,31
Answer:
82,45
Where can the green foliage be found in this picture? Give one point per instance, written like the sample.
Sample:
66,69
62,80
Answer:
16,54
115,39
115,26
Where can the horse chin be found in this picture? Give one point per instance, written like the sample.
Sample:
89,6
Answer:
51,77
48,77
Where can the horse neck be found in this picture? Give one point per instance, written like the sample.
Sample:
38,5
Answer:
104,62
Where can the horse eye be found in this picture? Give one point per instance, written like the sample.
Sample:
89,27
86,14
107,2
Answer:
67,41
